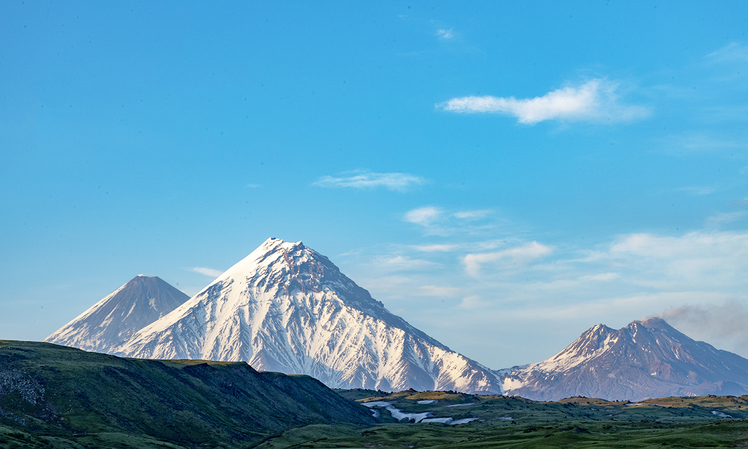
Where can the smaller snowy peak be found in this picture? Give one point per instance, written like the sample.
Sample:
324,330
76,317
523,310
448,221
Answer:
109,322
647,358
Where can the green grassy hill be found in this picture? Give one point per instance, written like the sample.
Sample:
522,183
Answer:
54,396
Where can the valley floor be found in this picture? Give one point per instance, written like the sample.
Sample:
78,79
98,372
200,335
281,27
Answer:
709,421
566,434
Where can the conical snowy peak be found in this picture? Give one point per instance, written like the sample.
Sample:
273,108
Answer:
287,308
114,319
647,358
292,267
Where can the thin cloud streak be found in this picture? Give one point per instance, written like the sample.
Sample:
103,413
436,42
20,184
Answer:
435,248
423,216
437,221
471,214
697,190
440,291
732,52
725,218
445,34
533,250
207,271
595,101
368,180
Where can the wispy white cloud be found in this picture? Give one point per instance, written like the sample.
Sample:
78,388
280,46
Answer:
436,248
595,101
692,244
732,52
471,302
602,277
369,180
724,218
207,271
533,250
404,263
697,190
440,291
701,143
424,216
445,33
437,221
533,284
254,186
471,214
697,260
600,309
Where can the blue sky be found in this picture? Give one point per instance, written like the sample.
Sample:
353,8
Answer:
503,175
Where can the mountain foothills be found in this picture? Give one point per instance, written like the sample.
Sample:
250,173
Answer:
111,321
289,309
646,359
65,397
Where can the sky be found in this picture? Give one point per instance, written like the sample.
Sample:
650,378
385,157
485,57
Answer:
502,175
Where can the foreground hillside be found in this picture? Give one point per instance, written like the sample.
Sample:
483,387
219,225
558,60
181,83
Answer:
54,396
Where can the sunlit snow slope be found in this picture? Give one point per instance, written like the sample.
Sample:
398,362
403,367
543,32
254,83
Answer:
646,359
111,321
288,308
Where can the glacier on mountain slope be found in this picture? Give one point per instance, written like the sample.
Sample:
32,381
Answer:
287,308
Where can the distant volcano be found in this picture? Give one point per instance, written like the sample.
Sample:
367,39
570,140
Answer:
646,359
287,308
111,321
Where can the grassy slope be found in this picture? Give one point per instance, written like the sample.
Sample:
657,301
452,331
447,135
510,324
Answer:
52,396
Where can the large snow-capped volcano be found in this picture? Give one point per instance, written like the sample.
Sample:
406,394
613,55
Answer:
287,308
646,359
114,319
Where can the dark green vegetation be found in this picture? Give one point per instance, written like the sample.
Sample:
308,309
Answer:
57,397
53,396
